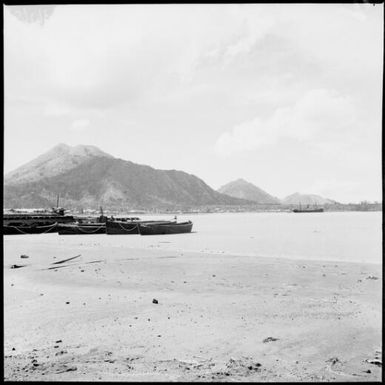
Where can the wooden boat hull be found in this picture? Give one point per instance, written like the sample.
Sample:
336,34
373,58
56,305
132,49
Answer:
14,230
165,228
27,220
117,227
127,228
308,210
97,228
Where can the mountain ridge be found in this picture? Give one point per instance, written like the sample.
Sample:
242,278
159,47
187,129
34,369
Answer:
60,158
306,199
243,189
86,176
100,179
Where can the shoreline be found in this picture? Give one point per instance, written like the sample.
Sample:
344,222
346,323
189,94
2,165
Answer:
90,241
218,317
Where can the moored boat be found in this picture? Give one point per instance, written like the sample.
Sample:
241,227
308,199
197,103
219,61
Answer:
308,209
82,228
165,228
320,210
128,227
19,222
14,229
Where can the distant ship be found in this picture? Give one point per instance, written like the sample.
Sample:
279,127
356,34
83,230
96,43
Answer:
308,209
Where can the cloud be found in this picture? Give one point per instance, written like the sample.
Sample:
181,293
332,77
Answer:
346,190
55,109
79,125
109,55
33,14
319,116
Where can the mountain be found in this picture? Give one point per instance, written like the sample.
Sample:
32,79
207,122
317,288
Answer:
306,199
246,190
59,159
84,176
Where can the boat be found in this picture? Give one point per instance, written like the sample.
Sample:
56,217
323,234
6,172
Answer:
129,226
165,228
81,228
19,222
14,229
308,209
320,210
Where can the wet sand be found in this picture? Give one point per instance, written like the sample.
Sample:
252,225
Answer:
218,318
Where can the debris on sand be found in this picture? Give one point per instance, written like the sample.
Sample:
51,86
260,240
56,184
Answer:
155,301
24,256
67,369
58,341
375,362
372,277
17,266
270,339
61,353
66,260
245,366
57,267
333,360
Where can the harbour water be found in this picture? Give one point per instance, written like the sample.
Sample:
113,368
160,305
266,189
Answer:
329,236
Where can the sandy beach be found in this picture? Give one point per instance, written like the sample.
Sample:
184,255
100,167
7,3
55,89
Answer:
215,318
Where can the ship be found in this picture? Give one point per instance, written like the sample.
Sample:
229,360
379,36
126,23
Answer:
308,209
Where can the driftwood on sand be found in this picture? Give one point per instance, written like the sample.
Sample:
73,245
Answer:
66,260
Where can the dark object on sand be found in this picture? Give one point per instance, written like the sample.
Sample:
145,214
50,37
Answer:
372,277
155,301
333,360
375,362
165,228
270,339
84,228
24,256
128,227
66,260
17,266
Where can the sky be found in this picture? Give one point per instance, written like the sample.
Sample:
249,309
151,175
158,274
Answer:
286,96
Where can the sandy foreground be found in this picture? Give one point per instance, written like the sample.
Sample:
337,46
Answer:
218,317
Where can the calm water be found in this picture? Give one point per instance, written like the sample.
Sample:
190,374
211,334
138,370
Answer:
342,236
346,236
